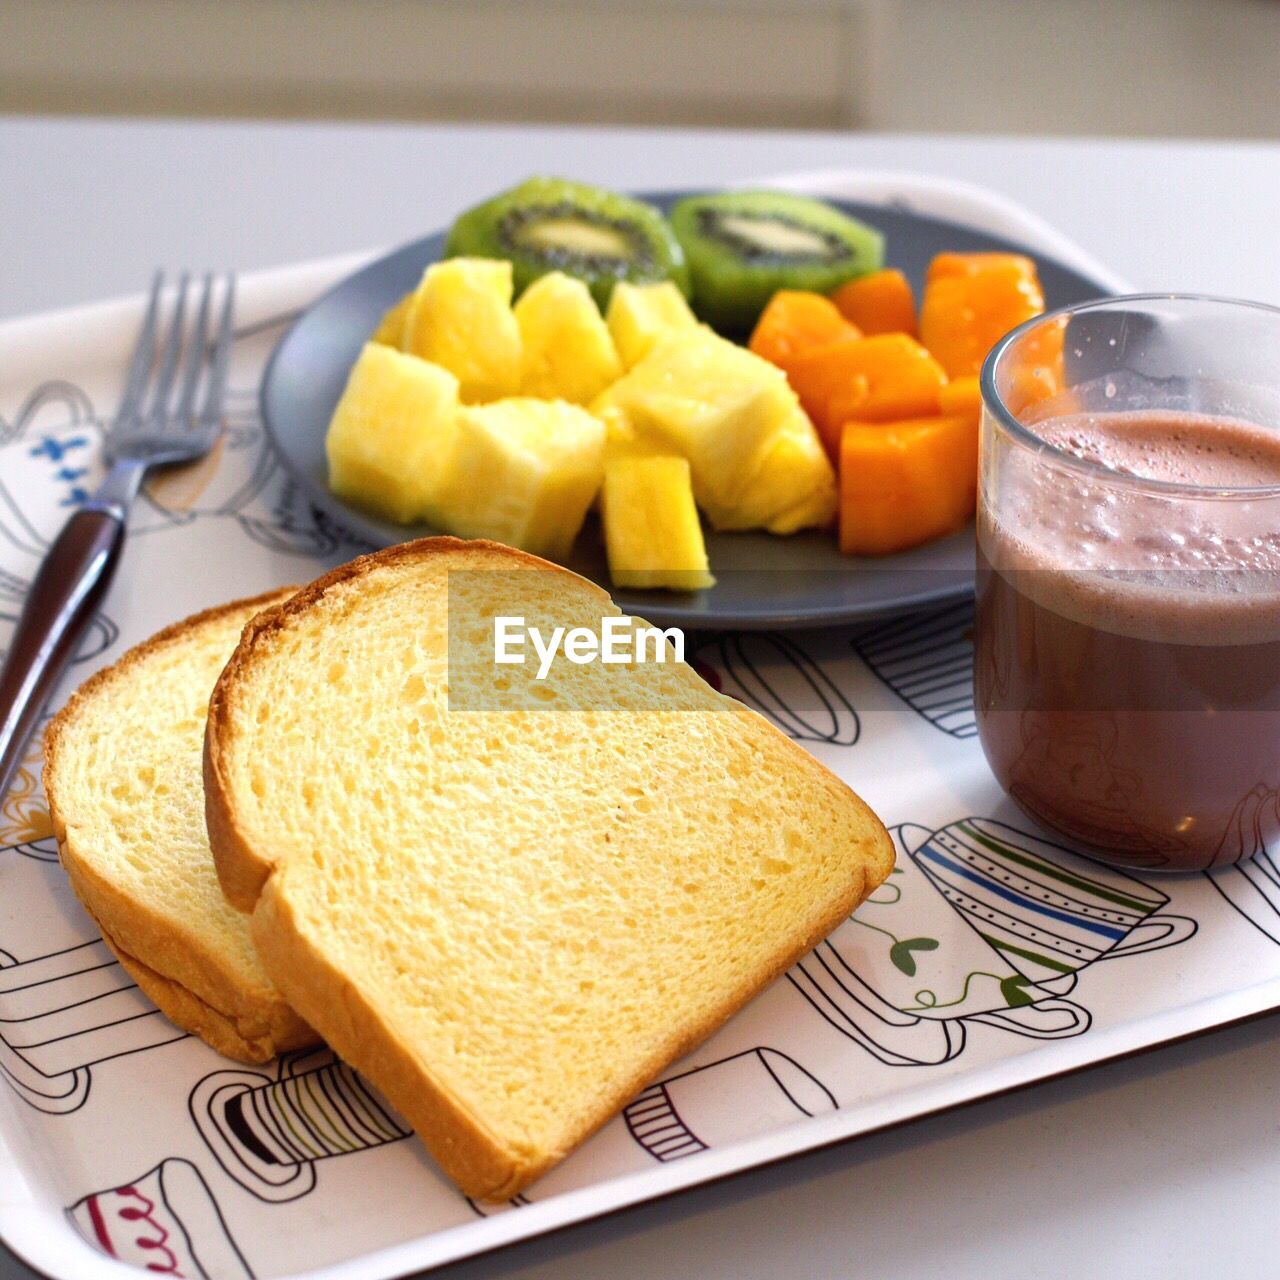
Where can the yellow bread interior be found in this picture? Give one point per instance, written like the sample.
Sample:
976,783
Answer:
509,903
123,776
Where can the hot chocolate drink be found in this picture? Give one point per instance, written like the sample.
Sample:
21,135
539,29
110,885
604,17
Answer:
1128,636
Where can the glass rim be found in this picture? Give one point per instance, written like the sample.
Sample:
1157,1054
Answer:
994,403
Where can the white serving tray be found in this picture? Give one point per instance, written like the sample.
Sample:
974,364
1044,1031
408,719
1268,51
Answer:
991,959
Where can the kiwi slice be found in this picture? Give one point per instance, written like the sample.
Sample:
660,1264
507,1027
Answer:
552,224
743,246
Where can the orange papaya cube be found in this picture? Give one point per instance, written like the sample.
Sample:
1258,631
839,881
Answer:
905,483
963,316
796,320
880,302
880,378
961,398
969,264
1038,372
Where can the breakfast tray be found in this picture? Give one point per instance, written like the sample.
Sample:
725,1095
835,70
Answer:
991,958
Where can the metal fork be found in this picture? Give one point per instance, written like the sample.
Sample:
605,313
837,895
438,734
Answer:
158,425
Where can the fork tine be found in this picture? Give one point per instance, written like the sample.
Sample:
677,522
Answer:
217,384
143,354
169,358
195,356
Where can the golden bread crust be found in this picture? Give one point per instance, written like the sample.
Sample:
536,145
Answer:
186,976
231,1037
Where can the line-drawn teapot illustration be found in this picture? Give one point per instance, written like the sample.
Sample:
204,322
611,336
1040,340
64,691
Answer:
54,460
25,824
927,660
1076,755
166,1222
979,922
774,675
268,1133
63,1012
241,477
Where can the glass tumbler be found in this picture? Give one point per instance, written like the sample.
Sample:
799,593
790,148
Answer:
1127,634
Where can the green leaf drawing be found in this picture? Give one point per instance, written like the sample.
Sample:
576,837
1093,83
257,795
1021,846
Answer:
900,953
1012,988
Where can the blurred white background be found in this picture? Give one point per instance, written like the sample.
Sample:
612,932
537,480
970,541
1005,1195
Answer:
1201,68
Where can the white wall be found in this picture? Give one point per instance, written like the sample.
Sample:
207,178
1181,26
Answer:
1162,67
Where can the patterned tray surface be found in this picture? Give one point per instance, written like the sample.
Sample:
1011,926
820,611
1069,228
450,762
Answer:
991,957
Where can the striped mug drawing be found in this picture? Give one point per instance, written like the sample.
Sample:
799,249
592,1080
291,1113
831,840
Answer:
65,1011
714,1105
772,674
724,1102
979,922
927,660
268,1134
166,1222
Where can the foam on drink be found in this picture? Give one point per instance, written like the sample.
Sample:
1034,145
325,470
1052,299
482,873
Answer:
1199,568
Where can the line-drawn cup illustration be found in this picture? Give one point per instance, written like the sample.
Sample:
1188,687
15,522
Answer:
1252,886
166,1222
773,674
62,1013
268,1133
718,1103
927,660
726,1101
979,922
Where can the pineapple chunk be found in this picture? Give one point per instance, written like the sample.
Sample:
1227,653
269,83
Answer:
707,400
461,318
568,353
651,524
622,438
794,486
651,528
390,328
641,314
391,433
522,472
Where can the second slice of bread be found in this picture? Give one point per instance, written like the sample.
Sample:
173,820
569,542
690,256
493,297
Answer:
509,917
123,777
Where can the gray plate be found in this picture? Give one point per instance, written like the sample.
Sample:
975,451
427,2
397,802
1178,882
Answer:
762,580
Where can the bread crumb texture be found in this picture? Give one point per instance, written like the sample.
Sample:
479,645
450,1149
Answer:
512,919
123,775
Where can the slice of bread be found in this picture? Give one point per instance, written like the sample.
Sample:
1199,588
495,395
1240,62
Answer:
123,777
509,905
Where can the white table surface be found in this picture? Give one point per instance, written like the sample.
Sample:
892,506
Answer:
1167,1165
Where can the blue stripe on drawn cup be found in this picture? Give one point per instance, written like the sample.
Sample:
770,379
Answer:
1046,910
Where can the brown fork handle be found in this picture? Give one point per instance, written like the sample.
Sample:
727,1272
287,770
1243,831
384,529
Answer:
67,592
